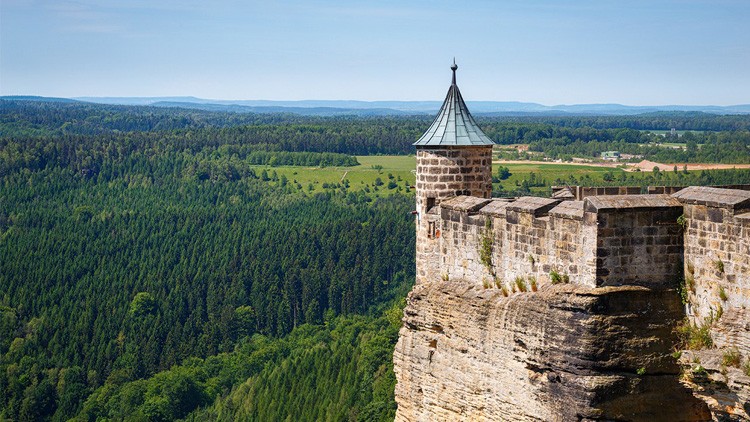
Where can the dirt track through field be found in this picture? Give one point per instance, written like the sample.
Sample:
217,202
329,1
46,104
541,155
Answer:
644,165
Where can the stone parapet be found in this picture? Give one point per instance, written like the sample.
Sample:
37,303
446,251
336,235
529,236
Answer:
638,240
585,192
533,205
717,250
498,207
601,241
630,203
581,192
633,252
668,190
733,199
568,209
464,203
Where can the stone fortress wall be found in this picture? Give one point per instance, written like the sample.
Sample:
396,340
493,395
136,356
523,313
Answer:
717,261
442,173
600,241
472,251
699,233
567,308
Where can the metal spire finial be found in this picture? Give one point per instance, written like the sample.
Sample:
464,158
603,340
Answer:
453,124
453,68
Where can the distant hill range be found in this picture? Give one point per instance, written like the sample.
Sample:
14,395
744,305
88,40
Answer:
390,108
37,98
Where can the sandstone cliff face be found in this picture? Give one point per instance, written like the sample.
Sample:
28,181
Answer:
725,389
599,348
562,353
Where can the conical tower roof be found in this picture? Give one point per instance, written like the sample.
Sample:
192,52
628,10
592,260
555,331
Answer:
454,125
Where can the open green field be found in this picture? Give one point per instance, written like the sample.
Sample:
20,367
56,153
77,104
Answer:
550,172
361,177
675,145
401,168
396,174
552,169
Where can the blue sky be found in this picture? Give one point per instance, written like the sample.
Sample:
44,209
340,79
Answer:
551,52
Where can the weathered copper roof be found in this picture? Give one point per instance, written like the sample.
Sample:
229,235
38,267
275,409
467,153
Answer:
454,125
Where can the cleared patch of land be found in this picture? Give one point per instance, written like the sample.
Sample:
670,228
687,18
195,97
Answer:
647,165
376,173
398,169
547,173
644,165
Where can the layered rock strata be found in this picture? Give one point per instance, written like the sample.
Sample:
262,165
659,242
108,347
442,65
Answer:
562,353
599,348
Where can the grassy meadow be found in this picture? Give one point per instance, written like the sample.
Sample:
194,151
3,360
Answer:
550,172
396,168
401,168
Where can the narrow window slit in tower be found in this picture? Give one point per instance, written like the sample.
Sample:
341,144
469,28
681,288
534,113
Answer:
430,204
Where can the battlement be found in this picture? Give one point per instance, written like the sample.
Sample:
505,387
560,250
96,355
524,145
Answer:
699,236
485,334
694,243
717,262
580,192
600,241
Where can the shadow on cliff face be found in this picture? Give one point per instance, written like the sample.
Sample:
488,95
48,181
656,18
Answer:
563,353
616,354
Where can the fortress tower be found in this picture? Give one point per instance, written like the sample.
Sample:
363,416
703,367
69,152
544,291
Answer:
567,308
454,157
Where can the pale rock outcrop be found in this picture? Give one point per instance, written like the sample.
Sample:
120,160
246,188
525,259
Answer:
562,353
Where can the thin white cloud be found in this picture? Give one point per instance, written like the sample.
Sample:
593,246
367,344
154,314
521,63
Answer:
82,17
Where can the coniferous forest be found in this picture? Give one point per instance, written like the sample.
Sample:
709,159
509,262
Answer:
148,271
125,254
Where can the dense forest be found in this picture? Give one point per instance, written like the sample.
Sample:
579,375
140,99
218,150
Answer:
661,120
43,117
341,370
151,269
123,277
712,138
122,255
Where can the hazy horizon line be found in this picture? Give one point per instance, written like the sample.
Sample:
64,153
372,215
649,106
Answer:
156,97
